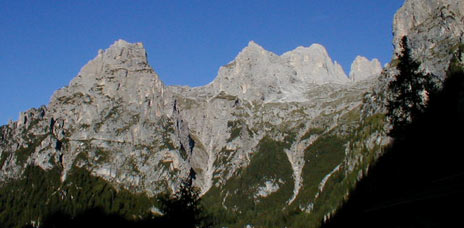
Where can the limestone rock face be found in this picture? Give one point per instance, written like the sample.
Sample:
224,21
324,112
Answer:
269,130
280,78
313,64
109,120
434,29
362,69
119,121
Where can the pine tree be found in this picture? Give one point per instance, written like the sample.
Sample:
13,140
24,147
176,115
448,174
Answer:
409,91
184,208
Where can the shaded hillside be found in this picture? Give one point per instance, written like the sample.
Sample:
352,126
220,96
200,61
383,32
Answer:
419,181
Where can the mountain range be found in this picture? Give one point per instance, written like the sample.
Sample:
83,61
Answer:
271,137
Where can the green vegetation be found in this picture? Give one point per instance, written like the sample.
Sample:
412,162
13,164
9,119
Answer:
40,193
239,206
225,96
3,158
269,163
184,209
236,127
321,158
22,154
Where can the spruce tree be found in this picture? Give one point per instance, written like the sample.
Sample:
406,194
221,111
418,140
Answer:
409,91
184,209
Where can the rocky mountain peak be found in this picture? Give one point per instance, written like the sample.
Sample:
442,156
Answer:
132,56
362,69
313,50
118,60
274,133
314,65
253,52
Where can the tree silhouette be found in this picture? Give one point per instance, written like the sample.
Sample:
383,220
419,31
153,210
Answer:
183,209
409,91
418,181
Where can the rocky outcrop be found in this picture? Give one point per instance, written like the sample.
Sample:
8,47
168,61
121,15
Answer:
282,78
435,28
313,65
117,119
269,130
363,69
262,112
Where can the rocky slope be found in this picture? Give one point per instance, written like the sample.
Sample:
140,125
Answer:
270,133
120,122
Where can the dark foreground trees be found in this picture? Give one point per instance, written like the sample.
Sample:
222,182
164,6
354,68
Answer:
419,180
183,209
409,91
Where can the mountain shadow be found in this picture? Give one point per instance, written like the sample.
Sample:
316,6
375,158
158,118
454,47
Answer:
419,181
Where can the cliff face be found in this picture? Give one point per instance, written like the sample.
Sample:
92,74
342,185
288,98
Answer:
434,29
255,124
271,132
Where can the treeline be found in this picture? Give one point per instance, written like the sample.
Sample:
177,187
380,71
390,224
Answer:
83,200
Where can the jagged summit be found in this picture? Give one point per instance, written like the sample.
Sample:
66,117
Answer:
313,64
362,68
314,49
271,135
252,51
117,120
123,54
255,74
258,74
253,44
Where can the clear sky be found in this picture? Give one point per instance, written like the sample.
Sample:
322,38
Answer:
43,44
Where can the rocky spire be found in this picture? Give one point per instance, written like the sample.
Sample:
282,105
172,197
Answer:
313,64
258,74
362,69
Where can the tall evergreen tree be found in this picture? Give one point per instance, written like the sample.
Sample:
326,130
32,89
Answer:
184,209
409,91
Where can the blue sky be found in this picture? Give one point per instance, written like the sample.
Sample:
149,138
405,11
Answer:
43,44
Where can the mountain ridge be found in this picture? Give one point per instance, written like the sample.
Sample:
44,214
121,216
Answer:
262,141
